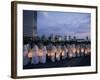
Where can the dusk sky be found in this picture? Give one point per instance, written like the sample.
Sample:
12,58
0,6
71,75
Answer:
58,23
64,23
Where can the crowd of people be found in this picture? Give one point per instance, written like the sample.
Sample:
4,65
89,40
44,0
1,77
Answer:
40,53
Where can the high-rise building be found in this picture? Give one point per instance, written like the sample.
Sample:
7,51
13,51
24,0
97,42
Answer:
29,23
35,24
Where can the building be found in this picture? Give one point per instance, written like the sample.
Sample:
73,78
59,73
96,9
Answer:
29,23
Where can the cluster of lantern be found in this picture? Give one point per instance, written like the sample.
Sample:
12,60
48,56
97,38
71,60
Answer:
37,55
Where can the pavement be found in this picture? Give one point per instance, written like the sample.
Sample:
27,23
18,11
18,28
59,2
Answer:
69,62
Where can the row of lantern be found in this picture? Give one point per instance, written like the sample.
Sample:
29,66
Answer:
37,55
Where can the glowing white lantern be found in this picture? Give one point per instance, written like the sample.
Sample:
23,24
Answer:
43,53
74,52
25,55
78,52
35,57
30,54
